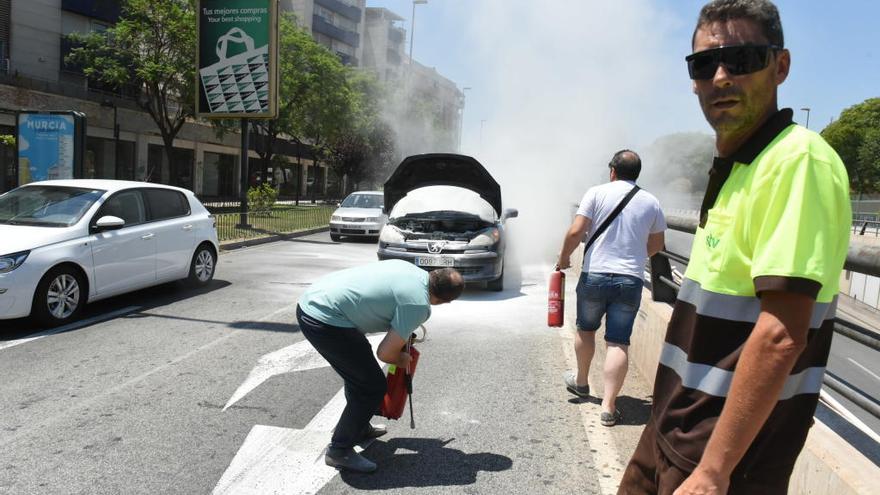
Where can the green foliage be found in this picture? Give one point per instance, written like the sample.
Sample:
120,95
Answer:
855,137
152,46
262,197
7,140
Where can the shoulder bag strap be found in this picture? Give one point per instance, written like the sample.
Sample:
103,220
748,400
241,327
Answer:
601,230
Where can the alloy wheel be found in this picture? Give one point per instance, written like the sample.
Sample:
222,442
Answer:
204,265
63,296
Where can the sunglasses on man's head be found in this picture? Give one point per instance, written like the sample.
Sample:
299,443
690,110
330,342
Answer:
738,60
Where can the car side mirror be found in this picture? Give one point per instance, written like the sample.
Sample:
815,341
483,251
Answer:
109,222
510,213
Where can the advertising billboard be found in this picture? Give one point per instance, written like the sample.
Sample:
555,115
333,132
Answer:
237,59
50,145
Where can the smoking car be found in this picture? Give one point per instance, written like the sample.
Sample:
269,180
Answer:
444,210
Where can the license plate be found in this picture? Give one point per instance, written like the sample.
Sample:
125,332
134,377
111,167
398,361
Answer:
444,261
353,227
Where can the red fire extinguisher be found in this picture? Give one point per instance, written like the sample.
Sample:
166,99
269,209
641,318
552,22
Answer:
556,300
400,387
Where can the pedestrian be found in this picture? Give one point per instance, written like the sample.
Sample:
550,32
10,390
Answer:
334,315
610,283
754,315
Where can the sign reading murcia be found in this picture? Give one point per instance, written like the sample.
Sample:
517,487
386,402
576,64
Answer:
237,59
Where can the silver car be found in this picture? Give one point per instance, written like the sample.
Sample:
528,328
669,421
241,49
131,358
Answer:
359,215
445,211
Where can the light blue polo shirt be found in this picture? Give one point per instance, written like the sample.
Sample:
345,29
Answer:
391,294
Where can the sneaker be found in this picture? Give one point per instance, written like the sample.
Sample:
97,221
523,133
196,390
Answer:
349,460
609,419
572,386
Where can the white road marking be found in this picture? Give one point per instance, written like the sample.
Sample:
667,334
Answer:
276,460
866,370
70,326
600,439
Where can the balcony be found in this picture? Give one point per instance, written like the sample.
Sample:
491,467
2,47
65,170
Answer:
321,25
396,35
342,9
347,59
104,10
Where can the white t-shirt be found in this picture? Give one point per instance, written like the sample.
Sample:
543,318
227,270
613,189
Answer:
623,247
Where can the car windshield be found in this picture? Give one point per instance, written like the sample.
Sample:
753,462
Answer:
363,201
46,206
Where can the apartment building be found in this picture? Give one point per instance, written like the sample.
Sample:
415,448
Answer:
122,140
336,24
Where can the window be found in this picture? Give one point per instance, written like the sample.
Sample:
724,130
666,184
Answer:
218,175
127,205
165,203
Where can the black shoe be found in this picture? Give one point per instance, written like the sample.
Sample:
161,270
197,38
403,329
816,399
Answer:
349,460
374,431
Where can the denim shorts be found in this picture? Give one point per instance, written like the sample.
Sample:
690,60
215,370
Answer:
617,297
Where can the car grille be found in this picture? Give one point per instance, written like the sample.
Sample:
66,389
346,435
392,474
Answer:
353,219
444,251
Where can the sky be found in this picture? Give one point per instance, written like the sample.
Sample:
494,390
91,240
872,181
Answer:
557,86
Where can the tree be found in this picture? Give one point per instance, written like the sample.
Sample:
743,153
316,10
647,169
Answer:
153,43
854,136
364,150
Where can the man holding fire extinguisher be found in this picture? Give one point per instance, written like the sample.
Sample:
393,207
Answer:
626,227
334,315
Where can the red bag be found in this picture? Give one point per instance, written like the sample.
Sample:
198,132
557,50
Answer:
399,385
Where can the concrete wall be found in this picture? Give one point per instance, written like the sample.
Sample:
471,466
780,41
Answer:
827,465
35,38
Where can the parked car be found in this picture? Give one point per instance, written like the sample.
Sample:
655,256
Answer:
69,242
359,215
445,211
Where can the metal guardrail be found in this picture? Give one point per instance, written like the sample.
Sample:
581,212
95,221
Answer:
284,220
862,258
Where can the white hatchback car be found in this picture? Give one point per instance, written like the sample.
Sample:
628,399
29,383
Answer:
68,242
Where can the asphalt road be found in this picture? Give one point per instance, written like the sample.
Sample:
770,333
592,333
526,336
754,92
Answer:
132,399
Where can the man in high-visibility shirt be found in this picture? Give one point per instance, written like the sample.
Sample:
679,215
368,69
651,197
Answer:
748,341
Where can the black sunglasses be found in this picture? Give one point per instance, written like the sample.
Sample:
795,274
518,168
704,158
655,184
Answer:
737,60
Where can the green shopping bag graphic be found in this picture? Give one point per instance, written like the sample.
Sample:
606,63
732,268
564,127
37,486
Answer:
239,83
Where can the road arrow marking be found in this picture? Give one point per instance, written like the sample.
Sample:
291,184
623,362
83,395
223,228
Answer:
275,460
297,357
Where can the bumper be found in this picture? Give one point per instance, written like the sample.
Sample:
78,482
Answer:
476,267
356,229
19,286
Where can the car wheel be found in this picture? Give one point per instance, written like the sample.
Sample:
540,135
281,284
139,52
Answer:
496,285
59,297
201,270
335,237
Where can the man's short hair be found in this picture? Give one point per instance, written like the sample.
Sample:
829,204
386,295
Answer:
446,284
762,12
626,164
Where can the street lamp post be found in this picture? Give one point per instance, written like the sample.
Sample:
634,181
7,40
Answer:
412,28
807,109
482,121
461,117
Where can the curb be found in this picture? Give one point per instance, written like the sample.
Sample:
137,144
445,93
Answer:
230,246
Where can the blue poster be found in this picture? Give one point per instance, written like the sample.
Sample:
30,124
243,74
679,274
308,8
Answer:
45,147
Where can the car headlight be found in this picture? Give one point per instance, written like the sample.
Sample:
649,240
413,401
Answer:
335,218
12,261
487,237
390,234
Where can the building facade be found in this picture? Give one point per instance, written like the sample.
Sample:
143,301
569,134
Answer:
336,24
122,140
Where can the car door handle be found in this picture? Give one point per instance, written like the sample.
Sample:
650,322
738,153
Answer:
148,236
188,227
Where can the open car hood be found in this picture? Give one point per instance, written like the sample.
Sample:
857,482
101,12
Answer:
441,169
